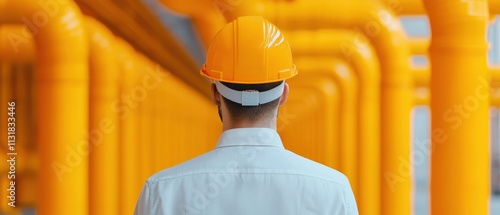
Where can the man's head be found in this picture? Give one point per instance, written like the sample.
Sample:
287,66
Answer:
248,61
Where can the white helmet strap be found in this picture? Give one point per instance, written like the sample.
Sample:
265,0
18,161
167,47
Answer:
250,97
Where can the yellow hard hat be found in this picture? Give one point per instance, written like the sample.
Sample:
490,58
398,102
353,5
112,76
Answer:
249,50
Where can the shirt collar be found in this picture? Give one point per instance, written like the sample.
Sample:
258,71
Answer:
249,137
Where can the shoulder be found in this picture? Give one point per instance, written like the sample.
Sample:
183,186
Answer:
197,165
317,170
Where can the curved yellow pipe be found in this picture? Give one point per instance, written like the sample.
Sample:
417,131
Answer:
16,44
207,23
383,29
128,126
354,49
311,114
406,7
459,107
339,71
62,100
103,122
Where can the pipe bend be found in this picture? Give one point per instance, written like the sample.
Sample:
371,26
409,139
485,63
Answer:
15,46
56,27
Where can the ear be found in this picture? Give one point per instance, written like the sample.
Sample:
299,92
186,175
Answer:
215,95
284,96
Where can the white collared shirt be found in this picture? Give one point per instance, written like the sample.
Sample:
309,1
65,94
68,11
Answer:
249,172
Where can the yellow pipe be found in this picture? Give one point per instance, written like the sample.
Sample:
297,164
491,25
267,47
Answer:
156,128
163,130
312,115
383,29
421,96
19,52
405,7
207,23
420,76
103,122
494,7
416,7
26,182
128,117
143,95
6,96
419,46
347,83
459,107
495,97
62,100
16,44
360,55
495,77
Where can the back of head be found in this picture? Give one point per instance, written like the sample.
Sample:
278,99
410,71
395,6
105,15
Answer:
248,61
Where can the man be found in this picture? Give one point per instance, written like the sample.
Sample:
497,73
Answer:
249,171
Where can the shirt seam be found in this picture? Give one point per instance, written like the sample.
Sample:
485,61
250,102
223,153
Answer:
225,172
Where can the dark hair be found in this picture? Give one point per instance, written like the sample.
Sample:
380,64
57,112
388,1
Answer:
252,113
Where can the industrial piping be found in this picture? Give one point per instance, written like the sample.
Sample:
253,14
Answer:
62,99
347,83
103,121
355,50
459,107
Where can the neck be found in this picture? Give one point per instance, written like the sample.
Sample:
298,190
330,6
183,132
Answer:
265,123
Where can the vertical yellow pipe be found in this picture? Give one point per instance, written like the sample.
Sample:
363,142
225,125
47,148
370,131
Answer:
5,97
355,50
155,126
162,131
62,100
459,106
143,97
25,178
103,122
17,65
129,138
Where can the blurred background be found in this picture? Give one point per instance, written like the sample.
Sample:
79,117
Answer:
401,96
